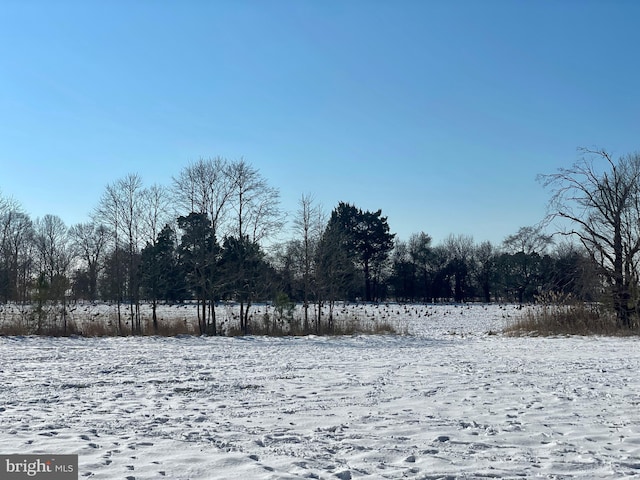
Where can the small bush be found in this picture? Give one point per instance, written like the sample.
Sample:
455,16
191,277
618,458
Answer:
557,314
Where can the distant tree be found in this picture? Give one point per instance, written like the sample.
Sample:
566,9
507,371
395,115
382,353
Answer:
404,276
440,288
574,273
421,254
486,269
528,240
55,253
256,204
523,262
161,276
132,197
90,241
335,272
109,213
287,260
54,248
246,274
155,214
16,259
366,237
115,268
206,186
236,199
460,260
600,199
199,256
309,224
521,275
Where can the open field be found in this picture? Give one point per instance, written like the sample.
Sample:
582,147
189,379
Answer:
453,399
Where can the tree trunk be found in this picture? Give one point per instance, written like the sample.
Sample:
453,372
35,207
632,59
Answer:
318,317
154,317
246,318
242,325
367,282
212,315
203,320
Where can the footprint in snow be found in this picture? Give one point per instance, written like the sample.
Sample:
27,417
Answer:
344,475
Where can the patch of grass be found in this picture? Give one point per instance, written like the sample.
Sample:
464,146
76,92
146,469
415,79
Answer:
357,326
276,323
98,328
562,315
352,325
17,327
171,328
14,329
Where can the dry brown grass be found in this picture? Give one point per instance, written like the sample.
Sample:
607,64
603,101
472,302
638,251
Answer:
171,328
99,329
295,327
14,329
22,328
562,315
106,324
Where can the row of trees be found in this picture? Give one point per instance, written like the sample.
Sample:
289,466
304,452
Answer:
204,238
519,270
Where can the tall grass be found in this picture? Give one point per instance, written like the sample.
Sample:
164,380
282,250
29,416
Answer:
294,326
278,322
557,314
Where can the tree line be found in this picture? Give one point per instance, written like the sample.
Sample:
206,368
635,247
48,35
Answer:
204,238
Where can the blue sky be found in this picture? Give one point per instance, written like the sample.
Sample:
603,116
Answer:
441,113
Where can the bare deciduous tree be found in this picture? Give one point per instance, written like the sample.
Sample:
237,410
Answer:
600,199
485,271
55,254
16,243
120,210
90,241
108,213
132,193
256,204
8,275
527,240
154,212
309,224
205,186
258,215
460,251
53,246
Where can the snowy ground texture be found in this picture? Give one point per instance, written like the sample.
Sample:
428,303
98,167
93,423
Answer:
450,400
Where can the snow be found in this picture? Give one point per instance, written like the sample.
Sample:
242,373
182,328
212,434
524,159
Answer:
452,399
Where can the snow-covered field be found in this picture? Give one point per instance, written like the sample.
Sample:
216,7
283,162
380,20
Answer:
451,400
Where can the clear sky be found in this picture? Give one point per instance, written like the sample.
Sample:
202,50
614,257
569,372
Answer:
441,113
